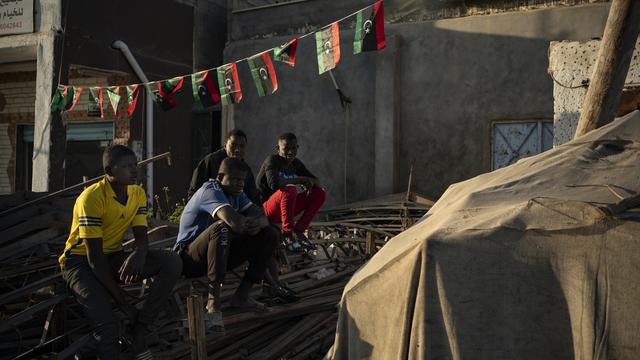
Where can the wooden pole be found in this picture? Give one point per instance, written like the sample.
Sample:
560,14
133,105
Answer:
370,248
409,195
612,65
197,336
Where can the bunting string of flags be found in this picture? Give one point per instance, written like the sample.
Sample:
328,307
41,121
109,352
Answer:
221,84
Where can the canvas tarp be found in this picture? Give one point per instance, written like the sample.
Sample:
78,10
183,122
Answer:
539,260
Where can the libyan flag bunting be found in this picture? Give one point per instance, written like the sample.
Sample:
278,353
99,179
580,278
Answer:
370,29
65,98
113,92
205,93
166,89
287,52
263,73
328,47
94,107
230,91
132,98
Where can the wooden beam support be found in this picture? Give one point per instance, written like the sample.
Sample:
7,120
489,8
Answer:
197,336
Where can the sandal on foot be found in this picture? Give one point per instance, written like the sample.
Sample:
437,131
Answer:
304,241
285,294
213,322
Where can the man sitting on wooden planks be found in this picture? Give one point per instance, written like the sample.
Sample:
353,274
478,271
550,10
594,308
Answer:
94,260
220,228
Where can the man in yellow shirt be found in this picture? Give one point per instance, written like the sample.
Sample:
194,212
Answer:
93,260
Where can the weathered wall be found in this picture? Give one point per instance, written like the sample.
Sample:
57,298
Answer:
39,47
454,78
170,38
571,65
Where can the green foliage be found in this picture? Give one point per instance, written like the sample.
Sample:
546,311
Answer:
175,216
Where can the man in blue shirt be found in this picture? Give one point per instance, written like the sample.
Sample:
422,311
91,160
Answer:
220,228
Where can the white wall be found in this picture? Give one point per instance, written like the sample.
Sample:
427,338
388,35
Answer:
571,64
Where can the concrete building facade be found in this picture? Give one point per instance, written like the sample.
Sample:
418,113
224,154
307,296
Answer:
72,44
432,99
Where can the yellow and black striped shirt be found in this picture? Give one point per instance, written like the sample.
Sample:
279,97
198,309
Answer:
98,214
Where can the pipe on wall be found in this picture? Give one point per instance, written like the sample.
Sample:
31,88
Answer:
120,45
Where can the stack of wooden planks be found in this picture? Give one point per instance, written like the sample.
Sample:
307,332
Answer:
40,319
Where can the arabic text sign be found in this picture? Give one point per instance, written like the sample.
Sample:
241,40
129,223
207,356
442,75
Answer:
16,16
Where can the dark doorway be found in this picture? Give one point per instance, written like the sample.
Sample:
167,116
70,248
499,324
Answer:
24,153
83,156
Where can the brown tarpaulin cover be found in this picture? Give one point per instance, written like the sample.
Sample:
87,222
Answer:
525,262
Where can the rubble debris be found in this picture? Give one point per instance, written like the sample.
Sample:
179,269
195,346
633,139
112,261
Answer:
40,318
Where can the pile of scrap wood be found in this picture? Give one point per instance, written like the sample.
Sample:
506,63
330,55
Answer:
367,225
40,319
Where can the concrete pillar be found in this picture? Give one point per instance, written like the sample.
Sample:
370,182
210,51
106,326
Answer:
48,139
571,64
387,118
49,133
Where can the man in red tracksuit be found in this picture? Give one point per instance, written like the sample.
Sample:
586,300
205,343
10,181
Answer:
288,189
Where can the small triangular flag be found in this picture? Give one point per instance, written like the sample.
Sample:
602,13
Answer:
370,29
132,98
166,89
94,107
287,52
328,47
263,73
58,101
205,93
74,98
114,98
229,84
65,98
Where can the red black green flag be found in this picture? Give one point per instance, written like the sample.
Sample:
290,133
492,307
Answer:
65,98
166,89
230,92
205,93
132,98
113,93
287,52
370,29
94,107
263,73
328,47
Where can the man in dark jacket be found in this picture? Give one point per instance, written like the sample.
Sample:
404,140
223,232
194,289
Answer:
234,147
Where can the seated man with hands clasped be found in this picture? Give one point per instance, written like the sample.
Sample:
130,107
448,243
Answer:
220,228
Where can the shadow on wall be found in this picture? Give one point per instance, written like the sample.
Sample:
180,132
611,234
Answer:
564,126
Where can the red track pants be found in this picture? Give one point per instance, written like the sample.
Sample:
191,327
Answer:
285,204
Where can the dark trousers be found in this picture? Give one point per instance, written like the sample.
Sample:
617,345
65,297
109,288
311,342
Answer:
218,249
164,266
